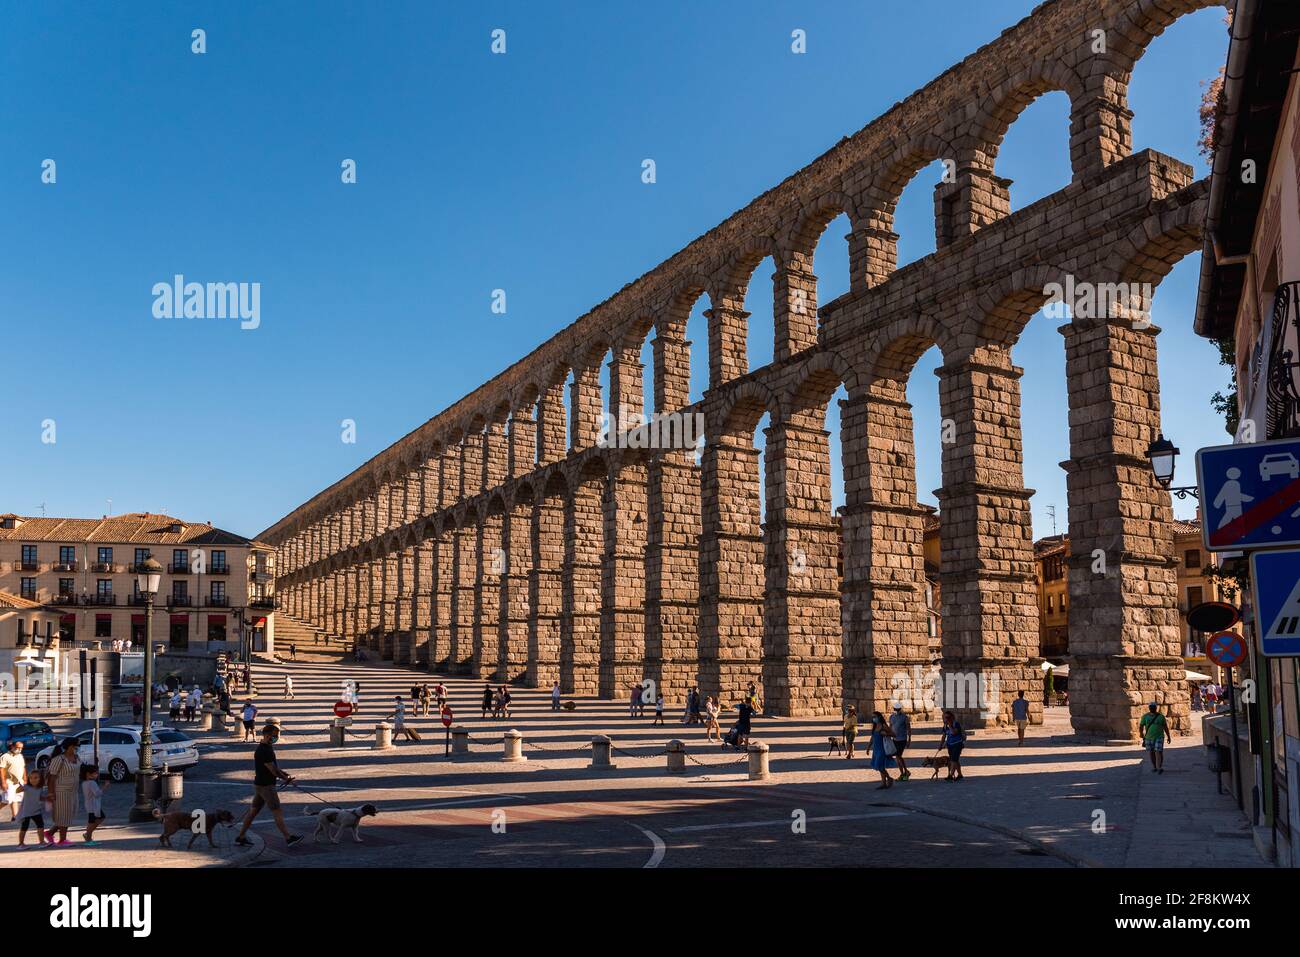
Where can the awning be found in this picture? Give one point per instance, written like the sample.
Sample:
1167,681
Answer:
137,619
180,619
1196,676
67,619
104,616
216,619
1061,671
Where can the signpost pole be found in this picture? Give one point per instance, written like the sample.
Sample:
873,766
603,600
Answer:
1236,745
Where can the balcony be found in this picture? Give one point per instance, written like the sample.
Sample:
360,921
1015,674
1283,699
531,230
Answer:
135,567
102,567
183,569
65,598
179,601
214,602
264,604
99,599
136,601
261,576
222,569
27,566
64,567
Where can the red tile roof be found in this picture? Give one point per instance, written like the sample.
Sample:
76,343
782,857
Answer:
142,527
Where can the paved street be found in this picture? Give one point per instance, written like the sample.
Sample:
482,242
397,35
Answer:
1027,807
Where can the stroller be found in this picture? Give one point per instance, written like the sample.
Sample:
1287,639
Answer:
732,738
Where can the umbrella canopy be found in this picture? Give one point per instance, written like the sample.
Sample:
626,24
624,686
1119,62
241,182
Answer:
1061,671
1196,676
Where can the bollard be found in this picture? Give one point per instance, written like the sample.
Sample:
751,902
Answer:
207,719
459,739
338,731
676,757
218,720
600,760
383,736
236,725
757,761
512,746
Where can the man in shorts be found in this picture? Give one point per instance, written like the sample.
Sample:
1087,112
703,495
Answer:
265,773
1155,732
1020,714
248,715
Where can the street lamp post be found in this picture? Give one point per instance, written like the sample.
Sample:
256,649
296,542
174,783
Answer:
148,576
1163,456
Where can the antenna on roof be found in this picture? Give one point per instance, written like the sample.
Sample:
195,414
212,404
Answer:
1051,511
42,508
110,508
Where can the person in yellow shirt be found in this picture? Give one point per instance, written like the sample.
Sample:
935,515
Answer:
850,731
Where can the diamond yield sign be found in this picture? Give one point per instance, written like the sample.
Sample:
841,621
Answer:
1250,494
1275,576
1227,649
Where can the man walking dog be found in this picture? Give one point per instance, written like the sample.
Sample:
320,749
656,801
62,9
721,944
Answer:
266,771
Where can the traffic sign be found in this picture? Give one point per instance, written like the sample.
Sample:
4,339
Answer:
1227,649
1250,494
1275,577
446,717
342,709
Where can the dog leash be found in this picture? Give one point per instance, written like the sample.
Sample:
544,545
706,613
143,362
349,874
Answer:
295,784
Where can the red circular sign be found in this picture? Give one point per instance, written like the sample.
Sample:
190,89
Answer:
342,709
446,717
1227,649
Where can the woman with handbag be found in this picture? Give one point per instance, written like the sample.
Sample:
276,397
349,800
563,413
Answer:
881,749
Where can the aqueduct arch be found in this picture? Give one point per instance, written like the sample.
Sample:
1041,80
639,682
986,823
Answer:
503,539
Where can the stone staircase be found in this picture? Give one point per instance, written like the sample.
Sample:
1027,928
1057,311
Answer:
307,638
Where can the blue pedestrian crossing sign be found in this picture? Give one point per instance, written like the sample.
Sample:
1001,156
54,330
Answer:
1250,495
1275,576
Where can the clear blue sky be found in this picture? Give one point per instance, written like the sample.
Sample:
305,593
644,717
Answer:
475,172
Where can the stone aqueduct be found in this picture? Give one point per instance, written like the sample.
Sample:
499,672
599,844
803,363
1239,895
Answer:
479,544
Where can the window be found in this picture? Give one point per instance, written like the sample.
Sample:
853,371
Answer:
1051,604
104,627
216,630
218,592
27,588
29,558
65,587
118,737
1194,596
1192,559
67,555
105,556
141,555
181,590
219,561
180,559
104,587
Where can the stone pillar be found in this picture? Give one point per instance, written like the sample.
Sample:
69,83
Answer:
422,587
728,340
516,543
584,408
1101,126
388,625
802,662
430,485
449,483
580,617
496,455
622,618
546,590
471,466
1124,636
404,610
794,299
882,611
523,443
444,583
977,198
466,573
873,253
550,425
487,595
989,586
731,557
672,569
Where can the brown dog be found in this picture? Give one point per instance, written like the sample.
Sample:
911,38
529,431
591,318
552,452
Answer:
939,762
174,821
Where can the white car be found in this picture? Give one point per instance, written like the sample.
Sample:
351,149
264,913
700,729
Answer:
1279,463
119,751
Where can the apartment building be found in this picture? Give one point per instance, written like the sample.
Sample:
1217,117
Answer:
74,579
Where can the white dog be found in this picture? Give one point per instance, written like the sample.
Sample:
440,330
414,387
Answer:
340,819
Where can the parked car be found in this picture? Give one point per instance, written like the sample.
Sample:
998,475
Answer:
34,735
119,750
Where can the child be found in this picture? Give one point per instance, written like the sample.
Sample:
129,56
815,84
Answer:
33,807
92,794
659,710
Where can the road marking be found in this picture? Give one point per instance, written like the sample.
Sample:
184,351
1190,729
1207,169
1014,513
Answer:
786,821
660,848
